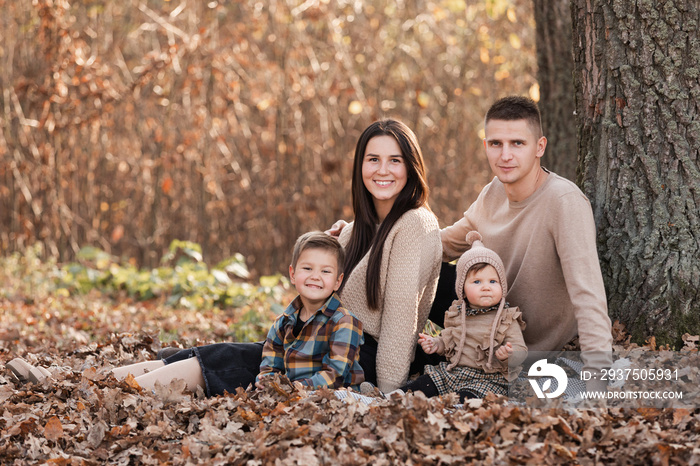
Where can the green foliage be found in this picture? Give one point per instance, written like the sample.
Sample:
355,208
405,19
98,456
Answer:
432,329
185,251
27,274
182,281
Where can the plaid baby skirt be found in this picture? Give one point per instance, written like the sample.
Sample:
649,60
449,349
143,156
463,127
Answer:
466,378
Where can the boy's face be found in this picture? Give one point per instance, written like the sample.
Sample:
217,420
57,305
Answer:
315,276
482,289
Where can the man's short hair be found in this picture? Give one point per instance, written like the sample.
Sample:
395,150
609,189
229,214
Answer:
318,240
516,107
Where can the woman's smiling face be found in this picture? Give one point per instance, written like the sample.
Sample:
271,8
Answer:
384,172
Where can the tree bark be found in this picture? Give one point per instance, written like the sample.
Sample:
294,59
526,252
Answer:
638,104
555,66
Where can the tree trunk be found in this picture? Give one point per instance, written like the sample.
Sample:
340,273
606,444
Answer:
555,66
638,104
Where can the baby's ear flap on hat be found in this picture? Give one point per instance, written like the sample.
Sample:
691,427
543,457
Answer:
473,236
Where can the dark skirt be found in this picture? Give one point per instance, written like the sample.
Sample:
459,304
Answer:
368,359
225,366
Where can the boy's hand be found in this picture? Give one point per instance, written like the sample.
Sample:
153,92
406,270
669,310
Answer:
504,351
427,343
260,384
336,228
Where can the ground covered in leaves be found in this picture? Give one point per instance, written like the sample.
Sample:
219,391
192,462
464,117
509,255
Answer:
87,417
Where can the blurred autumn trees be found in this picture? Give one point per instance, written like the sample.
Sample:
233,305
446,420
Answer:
127,124
555,65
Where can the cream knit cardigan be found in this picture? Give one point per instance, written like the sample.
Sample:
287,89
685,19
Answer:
409,273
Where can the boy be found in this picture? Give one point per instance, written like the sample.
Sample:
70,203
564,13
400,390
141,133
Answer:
315,341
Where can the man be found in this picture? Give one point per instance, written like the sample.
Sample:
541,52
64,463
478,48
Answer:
542,226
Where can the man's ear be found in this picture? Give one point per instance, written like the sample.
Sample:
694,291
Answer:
541,146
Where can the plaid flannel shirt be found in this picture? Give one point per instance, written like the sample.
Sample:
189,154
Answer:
326,353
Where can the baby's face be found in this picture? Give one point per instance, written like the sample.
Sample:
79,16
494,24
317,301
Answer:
482,288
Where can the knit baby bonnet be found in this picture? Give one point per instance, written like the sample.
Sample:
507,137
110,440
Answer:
476,254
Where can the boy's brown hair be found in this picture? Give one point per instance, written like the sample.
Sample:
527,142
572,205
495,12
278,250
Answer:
318,240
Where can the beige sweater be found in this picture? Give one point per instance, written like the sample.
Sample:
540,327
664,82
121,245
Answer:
477,339
548,246
409,273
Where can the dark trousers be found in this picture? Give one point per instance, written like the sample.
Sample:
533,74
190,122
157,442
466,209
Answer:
225,366
445,293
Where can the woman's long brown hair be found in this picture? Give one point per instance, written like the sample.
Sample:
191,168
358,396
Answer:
365,234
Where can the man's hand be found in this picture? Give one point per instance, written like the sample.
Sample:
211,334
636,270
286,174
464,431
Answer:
336,228
428,343
504,351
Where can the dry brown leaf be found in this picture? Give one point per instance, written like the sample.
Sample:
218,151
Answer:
53,429
95,434
9,335
690,342
131,382
650,413
519,453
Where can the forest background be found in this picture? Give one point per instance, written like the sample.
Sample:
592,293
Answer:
143,140
127,125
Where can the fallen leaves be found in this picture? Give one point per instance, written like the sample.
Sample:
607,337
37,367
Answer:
85,416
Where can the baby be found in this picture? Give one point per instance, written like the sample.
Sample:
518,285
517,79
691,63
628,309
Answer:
481,332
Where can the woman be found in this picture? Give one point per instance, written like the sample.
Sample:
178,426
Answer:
393,256
393,251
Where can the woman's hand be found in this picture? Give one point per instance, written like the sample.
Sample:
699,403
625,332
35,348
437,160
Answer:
504,351
336,228
428,343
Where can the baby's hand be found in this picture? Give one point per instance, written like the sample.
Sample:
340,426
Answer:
504,351
427,343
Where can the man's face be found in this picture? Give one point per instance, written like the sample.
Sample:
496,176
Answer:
513,150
